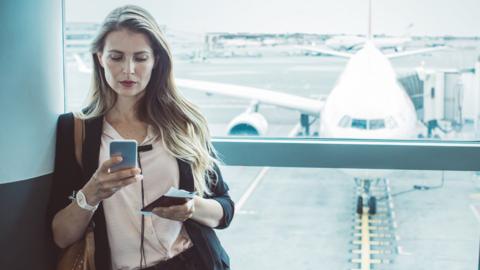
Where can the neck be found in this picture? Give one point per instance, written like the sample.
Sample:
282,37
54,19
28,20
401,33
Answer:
123,111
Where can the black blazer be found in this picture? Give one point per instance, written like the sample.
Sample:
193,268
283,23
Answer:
68,176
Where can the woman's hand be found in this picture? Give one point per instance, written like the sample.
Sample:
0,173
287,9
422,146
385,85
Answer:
104,184
176,212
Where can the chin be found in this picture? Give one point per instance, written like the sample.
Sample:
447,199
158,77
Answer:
122,91
130,93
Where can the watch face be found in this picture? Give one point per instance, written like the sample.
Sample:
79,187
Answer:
81,199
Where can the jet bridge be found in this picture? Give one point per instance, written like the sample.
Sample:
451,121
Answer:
414,87
445,100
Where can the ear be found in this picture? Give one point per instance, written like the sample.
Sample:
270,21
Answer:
99,57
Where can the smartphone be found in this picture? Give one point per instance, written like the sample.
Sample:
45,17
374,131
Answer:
127,149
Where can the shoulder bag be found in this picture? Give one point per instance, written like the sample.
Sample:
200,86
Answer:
80,255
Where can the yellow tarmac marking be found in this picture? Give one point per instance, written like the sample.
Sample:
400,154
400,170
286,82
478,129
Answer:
373,235
365,250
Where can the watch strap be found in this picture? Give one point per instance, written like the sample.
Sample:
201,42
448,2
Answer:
84,204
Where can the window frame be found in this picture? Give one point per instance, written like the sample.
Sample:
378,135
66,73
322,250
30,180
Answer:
349,153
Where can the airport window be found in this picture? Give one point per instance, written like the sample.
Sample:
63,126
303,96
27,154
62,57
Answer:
290,74
403,234
272,83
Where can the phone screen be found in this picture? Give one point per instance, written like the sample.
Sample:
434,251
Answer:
127,149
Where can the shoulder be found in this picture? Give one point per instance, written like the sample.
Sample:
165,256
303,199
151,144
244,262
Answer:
65,118
65,125
64,132
65,122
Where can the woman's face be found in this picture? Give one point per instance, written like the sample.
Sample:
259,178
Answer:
128,60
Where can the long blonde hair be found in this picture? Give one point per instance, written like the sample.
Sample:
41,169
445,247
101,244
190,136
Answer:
178,123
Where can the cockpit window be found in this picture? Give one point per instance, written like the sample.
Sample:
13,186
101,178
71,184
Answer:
391,123
376,124
345,121
359,123
367,124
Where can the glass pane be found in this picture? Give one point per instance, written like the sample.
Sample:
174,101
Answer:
266,77
307,218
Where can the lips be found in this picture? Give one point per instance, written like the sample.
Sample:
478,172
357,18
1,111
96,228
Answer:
127,83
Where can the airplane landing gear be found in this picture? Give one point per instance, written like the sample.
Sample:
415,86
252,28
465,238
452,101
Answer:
359,205
372,205
366,193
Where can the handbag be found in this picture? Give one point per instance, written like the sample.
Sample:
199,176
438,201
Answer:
79,255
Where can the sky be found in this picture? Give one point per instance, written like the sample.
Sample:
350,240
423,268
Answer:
391,17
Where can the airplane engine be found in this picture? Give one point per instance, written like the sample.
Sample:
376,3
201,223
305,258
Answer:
248,124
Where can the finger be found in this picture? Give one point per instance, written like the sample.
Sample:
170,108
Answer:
121,175
190,215
182,207
125,173
117,184
159,211
180,214
110,162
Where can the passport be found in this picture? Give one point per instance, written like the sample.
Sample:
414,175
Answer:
173,196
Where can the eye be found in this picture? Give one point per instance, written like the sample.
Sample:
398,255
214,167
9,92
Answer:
116,57
141,58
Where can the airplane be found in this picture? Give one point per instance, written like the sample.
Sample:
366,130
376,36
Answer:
366,103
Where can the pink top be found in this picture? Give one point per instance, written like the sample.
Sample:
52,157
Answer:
164,238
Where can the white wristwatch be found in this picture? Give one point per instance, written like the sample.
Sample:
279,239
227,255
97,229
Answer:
82,202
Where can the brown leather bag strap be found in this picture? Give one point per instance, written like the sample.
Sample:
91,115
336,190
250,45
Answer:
79,138
88,262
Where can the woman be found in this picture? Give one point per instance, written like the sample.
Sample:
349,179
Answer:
133,96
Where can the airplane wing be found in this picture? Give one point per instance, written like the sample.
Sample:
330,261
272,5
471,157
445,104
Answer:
325,51
419,51
302,104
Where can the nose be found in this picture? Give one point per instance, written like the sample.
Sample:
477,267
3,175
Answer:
129,66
